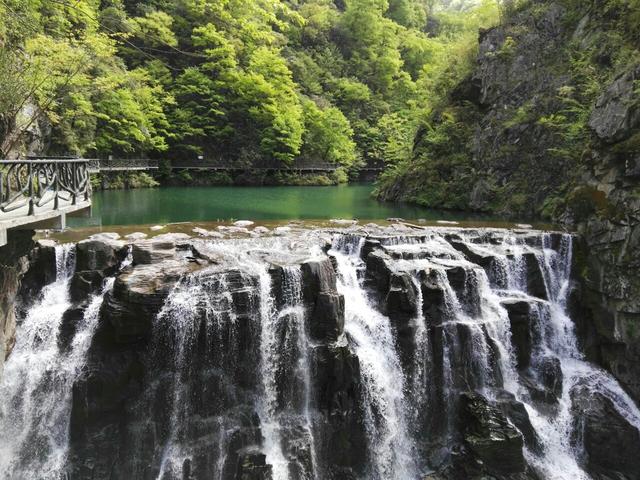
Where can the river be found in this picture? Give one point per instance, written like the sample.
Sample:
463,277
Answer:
211,204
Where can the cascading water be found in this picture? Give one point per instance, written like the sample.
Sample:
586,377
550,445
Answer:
39,376
269,359
390,445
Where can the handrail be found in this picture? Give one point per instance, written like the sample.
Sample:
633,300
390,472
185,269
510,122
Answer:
36,183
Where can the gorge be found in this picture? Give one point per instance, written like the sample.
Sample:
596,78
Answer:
366,352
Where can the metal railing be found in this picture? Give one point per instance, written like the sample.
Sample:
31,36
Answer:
259,164
36,183
121,164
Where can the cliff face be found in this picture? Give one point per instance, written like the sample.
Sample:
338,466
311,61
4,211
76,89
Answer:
573,152
379,353
14,263
550,122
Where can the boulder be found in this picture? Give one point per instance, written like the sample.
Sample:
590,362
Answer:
151,251
489,435
137,297
103,254
252,465
611,444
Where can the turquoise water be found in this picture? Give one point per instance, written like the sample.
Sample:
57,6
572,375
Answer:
203,204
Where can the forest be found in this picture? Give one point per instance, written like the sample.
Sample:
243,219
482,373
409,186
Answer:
343,82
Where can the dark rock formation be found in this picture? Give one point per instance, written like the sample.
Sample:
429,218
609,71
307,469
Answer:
522,326
610,443
14,263
490,437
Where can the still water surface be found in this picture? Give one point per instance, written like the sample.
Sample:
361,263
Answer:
210,204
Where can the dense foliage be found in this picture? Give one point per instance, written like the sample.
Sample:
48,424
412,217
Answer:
344,81
523,145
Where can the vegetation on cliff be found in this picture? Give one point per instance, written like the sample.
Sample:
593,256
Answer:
520,134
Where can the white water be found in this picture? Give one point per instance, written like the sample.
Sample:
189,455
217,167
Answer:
36,391
391,447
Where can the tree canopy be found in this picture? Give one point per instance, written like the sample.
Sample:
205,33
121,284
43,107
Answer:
344,81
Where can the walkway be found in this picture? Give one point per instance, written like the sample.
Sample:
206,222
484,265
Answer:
41,193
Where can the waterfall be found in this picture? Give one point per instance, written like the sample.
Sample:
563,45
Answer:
39,375
233,379
391,447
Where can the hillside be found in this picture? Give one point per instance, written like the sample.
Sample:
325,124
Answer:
341,82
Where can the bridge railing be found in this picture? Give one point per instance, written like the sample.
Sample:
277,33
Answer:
40,183
261,164
117,164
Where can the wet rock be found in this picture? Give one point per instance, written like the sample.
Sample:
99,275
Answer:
517,414
610,443
473,256
252,465
336,378
401,301
327,319
535,278
151,251
378,273
520,319
433,305
14,263
490,437
138,295
84,284
70,320
104,254
317,276
41,271
551,375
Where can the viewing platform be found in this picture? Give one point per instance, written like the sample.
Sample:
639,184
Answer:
40,193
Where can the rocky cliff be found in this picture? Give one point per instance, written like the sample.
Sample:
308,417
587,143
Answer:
548,124
381,353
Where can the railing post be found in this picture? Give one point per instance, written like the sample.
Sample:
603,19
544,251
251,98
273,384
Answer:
85,174
56,185
30,180
74,183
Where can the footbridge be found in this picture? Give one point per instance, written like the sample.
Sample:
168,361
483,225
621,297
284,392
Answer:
40,193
